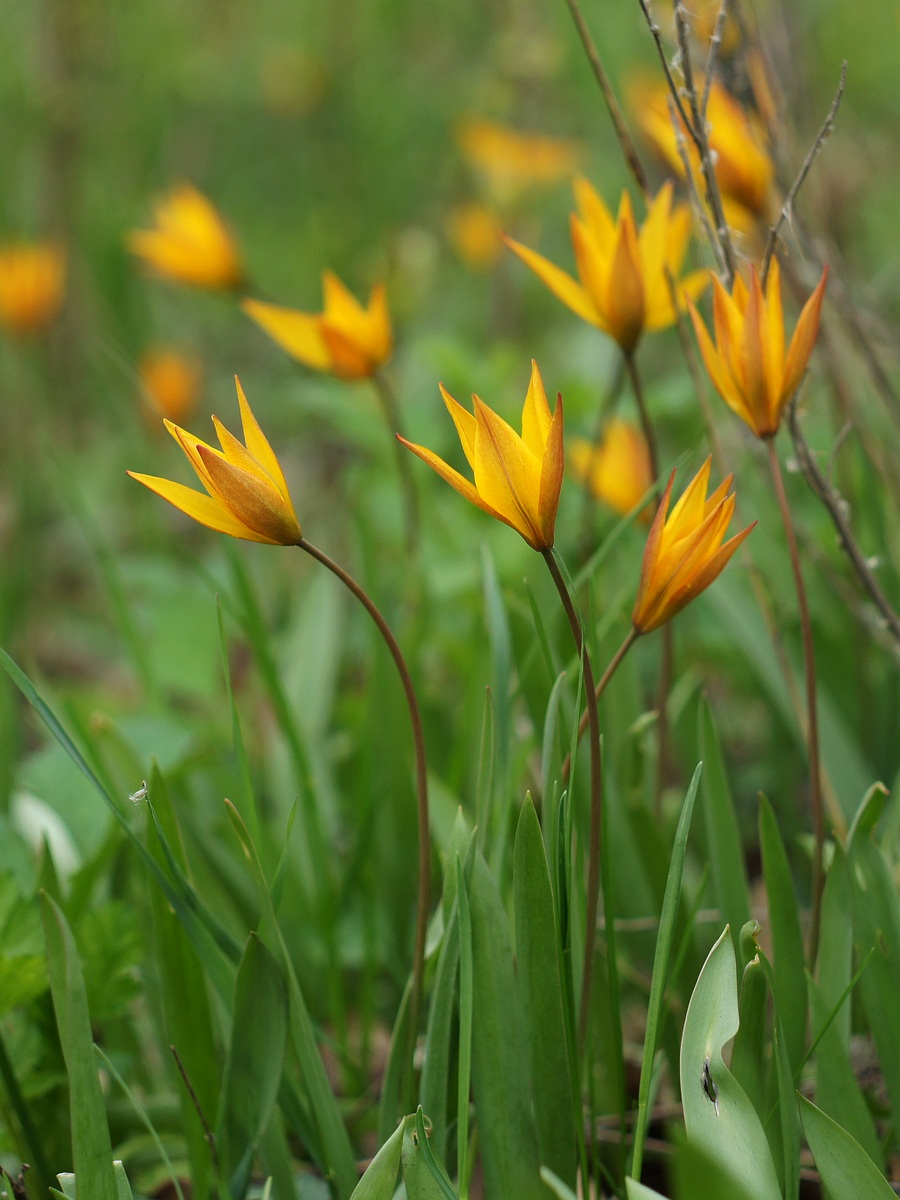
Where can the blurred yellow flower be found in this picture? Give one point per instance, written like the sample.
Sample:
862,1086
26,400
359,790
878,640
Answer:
190,244
517,478
617,471
475,231
624,274
345,339
248,496
171,382
510,161
743,165
32,280
747,364
684,552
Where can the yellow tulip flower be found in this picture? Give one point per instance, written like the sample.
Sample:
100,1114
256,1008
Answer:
345,339
32,279
624,274
511,161
684,551
170,382
517,479
190,244
248,496
617,471
747,364
743,165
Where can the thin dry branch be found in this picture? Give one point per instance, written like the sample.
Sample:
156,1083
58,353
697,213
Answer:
623,134
787,207
837,510
715,43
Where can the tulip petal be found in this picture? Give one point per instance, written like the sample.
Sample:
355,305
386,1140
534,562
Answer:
341,306
651,556
296,332
536,418
465,425
462,485
595,215
804,340
624,300
204,509
755,360
190,445
592,265
254,501
562,285
258,444
680,598
552,470
507,474
349,355
719,372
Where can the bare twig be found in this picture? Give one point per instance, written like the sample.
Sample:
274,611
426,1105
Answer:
626,142
674,89
698,132
837,510
697,203
715,43
787,207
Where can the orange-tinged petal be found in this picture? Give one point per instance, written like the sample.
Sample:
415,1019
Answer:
756,370
804,340
380,324
457,481
258,444
624,301
341,306
465,425
296,332
679,598
507,474
655,234
190,444
349,356
562,285
254,501
552,470
775,320
536,416
204,509
651,555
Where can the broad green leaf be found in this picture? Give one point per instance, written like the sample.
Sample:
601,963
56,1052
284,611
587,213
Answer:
661,958
380,1180
422,1175
699,1175
499,1075
540,988
726,855
91,1146
718,1116
787,938
847,1171
255,1061
749,1055
559,1189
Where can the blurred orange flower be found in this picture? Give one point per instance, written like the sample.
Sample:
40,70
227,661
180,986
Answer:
345,339
475,233
684,551
510,161
248,496
190,244
617,471
743,165
747,364
171,382
32,281
517,478
624,275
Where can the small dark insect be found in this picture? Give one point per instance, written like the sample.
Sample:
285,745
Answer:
709,1085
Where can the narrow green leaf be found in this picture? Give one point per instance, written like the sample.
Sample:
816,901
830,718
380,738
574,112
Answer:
662,954
255,1061
787,937
380,1180
749,1055
540,986
434,1084
465,1023
717,1113
500,644
847,1171
499,1077
124,1187
559,1189
91,1146
422,1176
724,849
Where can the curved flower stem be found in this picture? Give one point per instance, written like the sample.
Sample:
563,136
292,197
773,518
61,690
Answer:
665,674
815,787
593,882
630,638
424,885
391,410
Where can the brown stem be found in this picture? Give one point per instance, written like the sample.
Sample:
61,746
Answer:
626,142
646,424
812,714
630,638
424,886
391,410
593,883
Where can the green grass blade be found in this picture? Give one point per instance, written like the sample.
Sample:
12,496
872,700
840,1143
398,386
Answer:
540,986
465,1027
422,1176
724,849
91,1146
719,1117
847,1171
380,1179
787,937
255,1061
661,959
434,1084
500,1083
